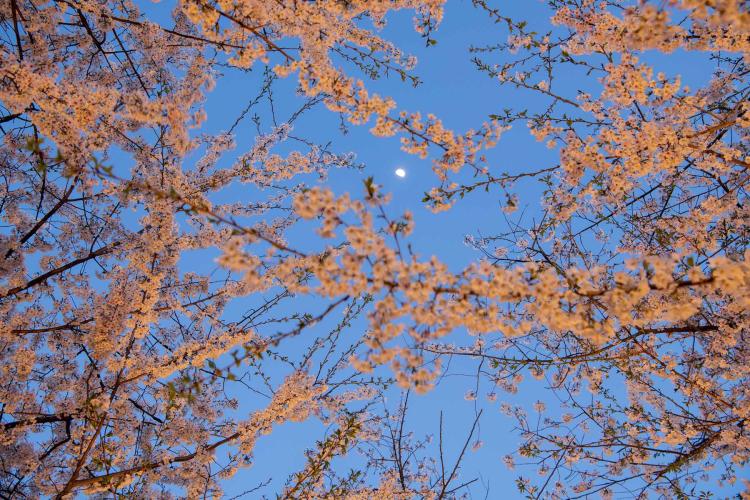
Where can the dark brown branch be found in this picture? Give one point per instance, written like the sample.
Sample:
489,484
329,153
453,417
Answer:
54,272
42,419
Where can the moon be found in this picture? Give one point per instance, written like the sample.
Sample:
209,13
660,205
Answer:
400,172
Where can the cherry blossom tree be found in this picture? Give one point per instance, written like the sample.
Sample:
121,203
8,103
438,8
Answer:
638,320
127,372
123,366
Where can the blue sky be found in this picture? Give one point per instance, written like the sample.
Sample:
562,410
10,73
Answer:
463,98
